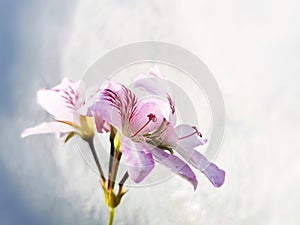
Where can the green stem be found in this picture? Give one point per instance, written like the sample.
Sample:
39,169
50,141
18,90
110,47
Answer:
111,216
92,147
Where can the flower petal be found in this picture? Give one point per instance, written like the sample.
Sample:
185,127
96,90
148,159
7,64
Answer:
50,127
172,115
165,135
108,113
176,165
155,83
137,158
140,118
169,136
63,100
215,175
186,140
116,104
154,71
100,123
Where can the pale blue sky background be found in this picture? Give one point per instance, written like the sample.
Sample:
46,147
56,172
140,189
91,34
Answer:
251,47
23,47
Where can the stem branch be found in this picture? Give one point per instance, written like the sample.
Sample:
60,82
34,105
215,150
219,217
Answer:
124,178
111,160
117,157
92,147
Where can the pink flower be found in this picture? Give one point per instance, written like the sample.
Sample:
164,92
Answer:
182,138
63,102
135,122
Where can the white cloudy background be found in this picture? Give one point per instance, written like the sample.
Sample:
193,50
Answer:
251,47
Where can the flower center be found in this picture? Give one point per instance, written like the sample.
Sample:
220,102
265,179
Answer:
151,117
195,132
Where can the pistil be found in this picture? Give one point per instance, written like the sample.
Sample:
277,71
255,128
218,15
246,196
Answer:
189,135
151,117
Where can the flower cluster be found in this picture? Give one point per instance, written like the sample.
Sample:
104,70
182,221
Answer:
142,133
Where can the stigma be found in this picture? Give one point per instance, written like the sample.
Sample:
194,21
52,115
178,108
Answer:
151,117
189,135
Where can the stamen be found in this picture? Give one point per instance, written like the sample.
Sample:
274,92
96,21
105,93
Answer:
195,132
152,118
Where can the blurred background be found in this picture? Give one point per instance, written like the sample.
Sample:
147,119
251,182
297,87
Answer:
251,47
